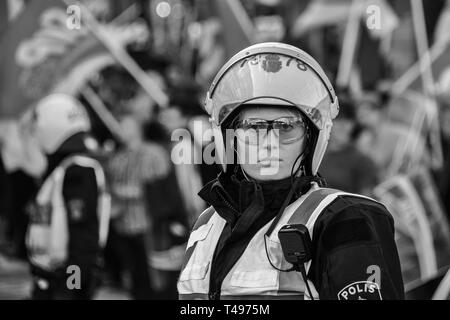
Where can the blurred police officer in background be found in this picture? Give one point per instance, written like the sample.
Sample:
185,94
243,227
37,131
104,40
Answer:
279,105
69,219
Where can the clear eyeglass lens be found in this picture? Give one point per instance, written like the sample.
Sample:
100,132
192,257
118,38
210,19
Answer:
288,130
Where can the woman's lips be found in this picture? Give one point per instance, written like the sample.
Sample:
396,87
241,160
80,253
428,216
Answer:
269,161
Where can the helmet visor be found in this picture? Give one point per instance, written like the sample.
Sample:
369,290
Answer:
271,79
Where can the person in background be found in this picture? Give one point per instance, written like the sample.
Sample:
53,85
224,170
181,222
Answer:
70,216
185,97
344,166
186,113
22,164
369,112
166,235
136,165
170,218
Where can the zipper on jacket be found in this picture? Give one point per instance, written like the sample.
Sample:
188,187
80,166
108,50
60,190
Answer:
228,204
214,287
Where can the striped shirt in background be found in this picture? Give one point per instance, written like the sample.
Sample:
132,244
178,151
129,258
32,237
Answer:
129,170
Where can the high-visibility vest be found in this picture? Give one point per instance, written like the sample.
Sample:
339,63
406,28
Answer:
252,276
48,241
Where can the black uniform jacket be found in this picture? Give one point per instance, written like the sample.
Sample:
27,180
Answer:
354,252
80,194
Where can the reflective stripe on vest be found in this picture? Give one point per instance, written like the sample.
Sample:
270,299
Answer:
252,275
202,220
48,244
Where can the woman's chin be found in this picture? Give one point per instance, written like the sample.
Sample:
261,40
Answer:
268,173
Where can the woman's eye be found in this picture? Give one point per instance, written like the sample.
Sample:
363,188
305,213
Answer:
285,126
253,125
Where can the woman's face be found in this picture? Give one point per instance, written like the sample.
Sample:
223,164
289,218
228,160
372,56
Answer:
274,155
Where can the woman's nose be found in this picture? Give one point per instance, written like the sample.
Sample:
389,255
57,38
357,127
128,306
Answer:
270,140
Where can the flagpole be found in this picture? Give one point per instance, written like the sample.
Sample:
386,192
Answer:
240,32
128,14
428,83
424,66
349,45
102,111
422,47
242,18
404,81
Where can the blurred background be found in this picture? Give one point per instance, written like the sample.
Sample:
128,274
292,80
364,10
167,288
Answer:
141,68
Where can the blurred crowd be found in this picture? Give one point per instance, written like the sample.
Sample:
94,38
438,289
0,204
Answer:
378,137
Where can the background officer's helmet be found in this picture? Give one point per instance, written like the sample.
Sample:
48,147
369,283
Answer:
57,118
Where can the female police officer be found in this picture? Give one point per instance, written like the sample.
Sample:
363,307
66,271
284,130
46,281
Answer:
278,104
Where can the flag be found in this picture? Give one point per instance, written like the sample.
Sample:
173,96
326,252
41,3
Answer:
421,228
440,68
377,15
45,51
412,232
367,22
428,194
37,51
321,13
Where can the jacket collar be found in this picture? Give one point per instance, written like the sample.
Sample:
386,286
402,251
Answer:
232,195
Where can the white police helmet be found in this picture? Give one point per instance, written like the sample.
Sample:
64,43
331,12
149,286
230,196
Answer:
274,74
57,118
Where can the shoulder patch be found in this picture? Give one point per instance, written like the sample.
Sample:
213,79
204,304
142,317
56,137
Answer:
355,201
360,290
76,210
356,198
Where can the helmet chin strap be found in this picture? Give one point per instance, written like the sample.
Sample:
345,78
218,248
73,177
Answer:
301,168
298,173
291,193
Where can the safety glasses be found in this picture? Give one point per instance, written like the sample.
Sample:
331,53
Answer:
287,129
